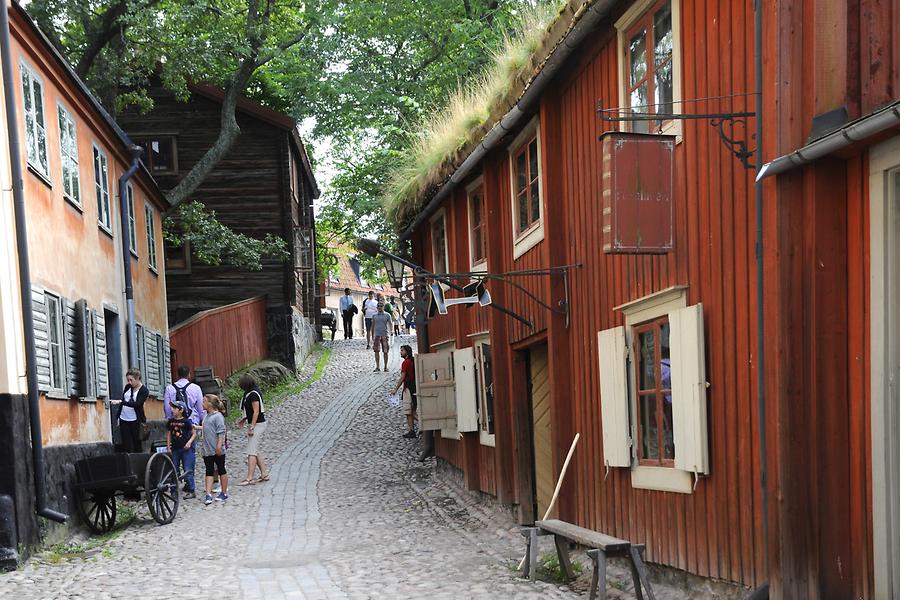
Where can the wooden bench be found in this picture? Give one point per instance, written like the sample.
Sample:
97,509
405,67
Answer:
601,546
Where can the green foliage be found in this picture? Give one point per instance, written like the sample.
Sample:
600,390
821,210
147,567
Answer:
212,243
549,569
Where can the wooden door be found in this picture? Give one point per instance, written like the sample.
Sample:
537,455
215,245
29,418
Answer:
542,430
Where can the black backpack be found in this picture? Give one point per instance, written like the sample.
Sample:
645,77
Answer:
181,396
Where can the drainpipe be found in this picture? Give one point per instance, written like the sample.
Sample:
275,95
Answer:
34,405
760,287
136,152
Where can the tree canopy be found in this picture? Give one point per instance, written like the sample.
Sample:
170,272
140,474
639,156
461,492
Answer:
362,72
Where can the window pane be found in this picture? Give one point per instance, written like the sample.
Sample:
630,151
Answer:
535,202
649,436
638,101
523,211
55,342
668,438
533,160
488,386
647,350
26,90
38,102
663,93
637,55
521,175
662,34
42,149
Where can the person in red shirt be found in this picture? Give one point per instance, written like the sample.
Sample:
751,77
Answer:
408,382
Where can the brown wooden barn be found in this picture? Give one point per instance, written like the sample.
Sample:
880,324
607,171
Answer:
265,185
645,337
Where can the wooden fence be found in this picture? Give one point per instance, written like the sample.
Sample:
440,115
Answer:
224,338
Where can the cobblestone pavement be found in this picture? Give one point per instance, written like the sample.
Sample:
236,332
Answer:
348,513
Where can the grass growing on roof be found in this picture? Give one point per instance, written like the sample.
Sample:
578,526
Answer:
450,128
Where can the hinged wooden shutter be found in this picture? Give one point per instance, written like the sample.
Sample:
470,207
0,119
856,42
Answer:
466,391
41,337
614,397
100,346
436,391
167,362
151,359
87,374
70,343
688,364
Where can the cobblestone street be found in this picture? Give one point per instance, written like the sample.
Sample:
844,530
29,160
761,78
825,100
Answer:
349,512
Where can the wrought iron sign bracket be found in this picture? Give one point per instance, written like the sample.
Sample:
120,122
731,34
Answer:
725,123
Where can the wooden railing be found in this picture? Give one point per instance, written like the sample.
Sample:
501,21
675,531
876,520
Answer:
224,338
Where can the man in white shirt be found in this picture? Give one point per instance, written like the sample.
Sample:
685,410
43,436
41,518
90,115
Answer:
347,313
370,308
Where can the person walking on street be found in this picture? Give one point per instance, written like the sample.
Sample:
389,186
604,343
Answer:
370,307
214,447
132,414
407,381
180,436
348,309
188,394
255,417
381,326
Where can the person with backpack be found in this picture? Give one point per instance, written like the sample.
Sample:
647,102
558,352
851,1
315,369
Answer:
255,417
189,394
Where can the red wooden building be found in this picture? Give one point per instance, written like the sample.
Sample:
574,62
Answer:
648,344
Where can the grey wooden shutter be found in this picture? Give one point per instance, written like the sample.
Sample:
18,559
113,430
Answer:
151,376
41,337
161,358
87,375
70,345
100,354
167,362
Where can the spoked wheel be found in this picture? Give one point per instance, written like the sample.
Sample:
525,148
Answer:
161,486
97,510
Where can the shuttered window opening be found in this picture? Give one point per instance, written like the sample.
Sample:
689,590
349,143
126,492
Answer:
666,367
87,353
56,345
485,380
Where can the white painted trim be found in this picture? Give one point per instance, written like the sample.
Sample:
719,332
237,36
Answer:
663,479
674,127
531,237
654,305
884,326
442,215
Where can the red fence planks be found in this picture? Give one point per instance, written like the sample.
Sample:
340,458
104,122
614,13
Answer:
225,338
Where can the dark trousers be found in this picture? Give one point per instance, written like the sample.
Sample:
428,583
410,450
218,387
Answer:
347,316
185,461
131,436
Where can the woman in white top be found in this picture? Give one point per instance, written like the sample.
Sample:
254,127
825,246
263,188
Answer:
132,414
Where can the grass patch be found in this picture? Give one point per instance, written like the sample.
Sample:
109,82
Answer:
63,551
549,569
275,394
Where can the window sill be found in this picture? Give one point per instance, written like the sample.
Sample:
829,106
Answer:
479,267
56,395
76,205
528,239
105,229
134,254
43,178
154,271
450,434
662,479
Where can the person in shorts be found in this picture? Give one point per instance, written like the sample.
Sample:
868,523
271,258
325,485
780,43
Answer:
369,308
214,446
408,382
381,329
255,418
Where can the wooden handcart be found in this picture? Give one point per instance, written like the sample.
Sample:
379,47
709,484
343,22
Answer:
100,479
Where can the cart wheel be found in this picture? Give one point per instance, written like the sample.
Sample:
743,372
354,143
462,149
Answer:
97,510
161,485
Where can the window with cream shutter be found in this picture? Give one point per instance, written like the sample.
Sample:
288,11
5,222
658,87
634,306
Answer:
436,391
689,389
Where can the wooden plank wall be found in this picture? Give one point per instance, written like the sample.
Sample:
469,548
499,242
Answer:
225,338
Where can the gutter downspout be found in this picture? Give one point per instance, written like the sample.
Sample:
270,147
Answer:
597,12
34,405
136,152
760,285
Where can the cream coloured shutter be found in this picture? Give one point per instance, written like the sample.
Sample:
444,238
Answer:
466,394
436,391
614,397
688,364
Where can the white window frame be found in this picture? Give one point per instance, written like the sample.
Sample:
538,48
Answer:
68,155
101,188
480,266
132,221
150,225
441,215
531,237
37,158
649,308
635,12
58,366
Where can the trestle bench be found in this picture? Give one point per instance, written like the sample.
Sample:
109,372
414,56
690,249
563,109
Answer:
600,546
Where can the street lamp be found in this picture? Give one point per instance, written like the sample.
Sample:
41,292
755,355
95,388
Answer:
395,271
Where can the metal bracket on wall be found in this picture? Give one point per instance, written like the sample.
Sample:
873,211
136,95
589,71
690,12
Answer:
724,122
